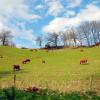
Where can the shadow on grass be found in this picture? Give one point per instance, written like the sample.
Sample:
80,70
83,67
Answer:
5,73
11,72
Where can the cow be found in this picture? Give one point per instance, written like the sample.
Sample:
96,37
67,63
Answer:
25,61
16,67
1,56
97,44
83,61
81,50
31,50
43,61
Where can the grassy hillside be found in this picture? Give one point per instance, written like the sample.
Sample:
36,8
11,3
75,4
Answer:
61,66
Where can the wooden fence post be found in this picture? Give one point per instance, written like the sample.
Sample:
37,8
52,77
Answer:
14,88
14,81
91,82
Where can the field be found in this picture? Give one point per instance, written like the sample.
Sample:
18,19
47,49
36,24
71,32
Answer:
61,70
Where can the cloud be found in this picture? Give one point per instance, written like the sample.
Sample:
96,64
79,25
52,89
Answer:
90,13
21,33
17,12
73,3
69,13
59,24
39,7
95,1
54,7
28,35
16,8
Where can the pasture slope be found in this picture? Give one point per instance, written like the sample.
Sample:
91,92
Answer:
61,68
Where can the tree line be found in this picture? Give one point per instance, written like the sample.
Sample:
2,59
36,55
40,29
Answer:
86,34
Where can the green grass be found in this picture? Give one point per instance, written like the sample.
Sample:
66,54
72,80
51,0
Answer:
61,67
6,94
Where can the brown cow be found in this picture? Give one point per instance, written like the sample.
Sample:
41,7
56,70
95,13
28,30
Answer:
25,61
81,50
31,50
43,61
83,61
1,56
16,67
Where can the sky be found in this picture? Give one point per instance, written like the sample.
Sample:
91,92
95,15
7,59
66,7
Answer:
30,18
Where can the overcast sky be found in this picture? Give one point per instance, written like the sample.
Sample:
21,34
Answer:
29,18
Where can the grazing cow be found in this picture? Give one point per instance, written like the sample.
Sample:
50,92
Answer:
1,56
97,44
43,61
81,50
83,61
16,67
31,50
25,61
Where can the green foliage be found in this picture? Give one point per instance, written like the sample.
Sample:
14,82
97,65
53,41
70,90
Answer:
49,95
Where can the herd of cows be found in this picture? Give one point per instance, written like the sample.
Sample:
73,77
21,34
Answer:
17,67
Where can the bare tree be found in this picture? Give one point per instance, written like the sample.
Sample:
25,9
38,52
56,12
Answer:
64,38
96,30
39,40
73,35
80,37
93,30
52,39
5,37
84,29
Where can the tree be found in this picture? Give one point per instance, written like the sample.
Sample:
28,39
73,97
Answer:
93,30
98,30
5,37
73,35
64,38
84,29
52,39
80,37
39,40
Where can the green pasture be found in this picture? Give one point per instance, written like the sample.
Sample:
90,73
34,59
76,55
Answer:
60,67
